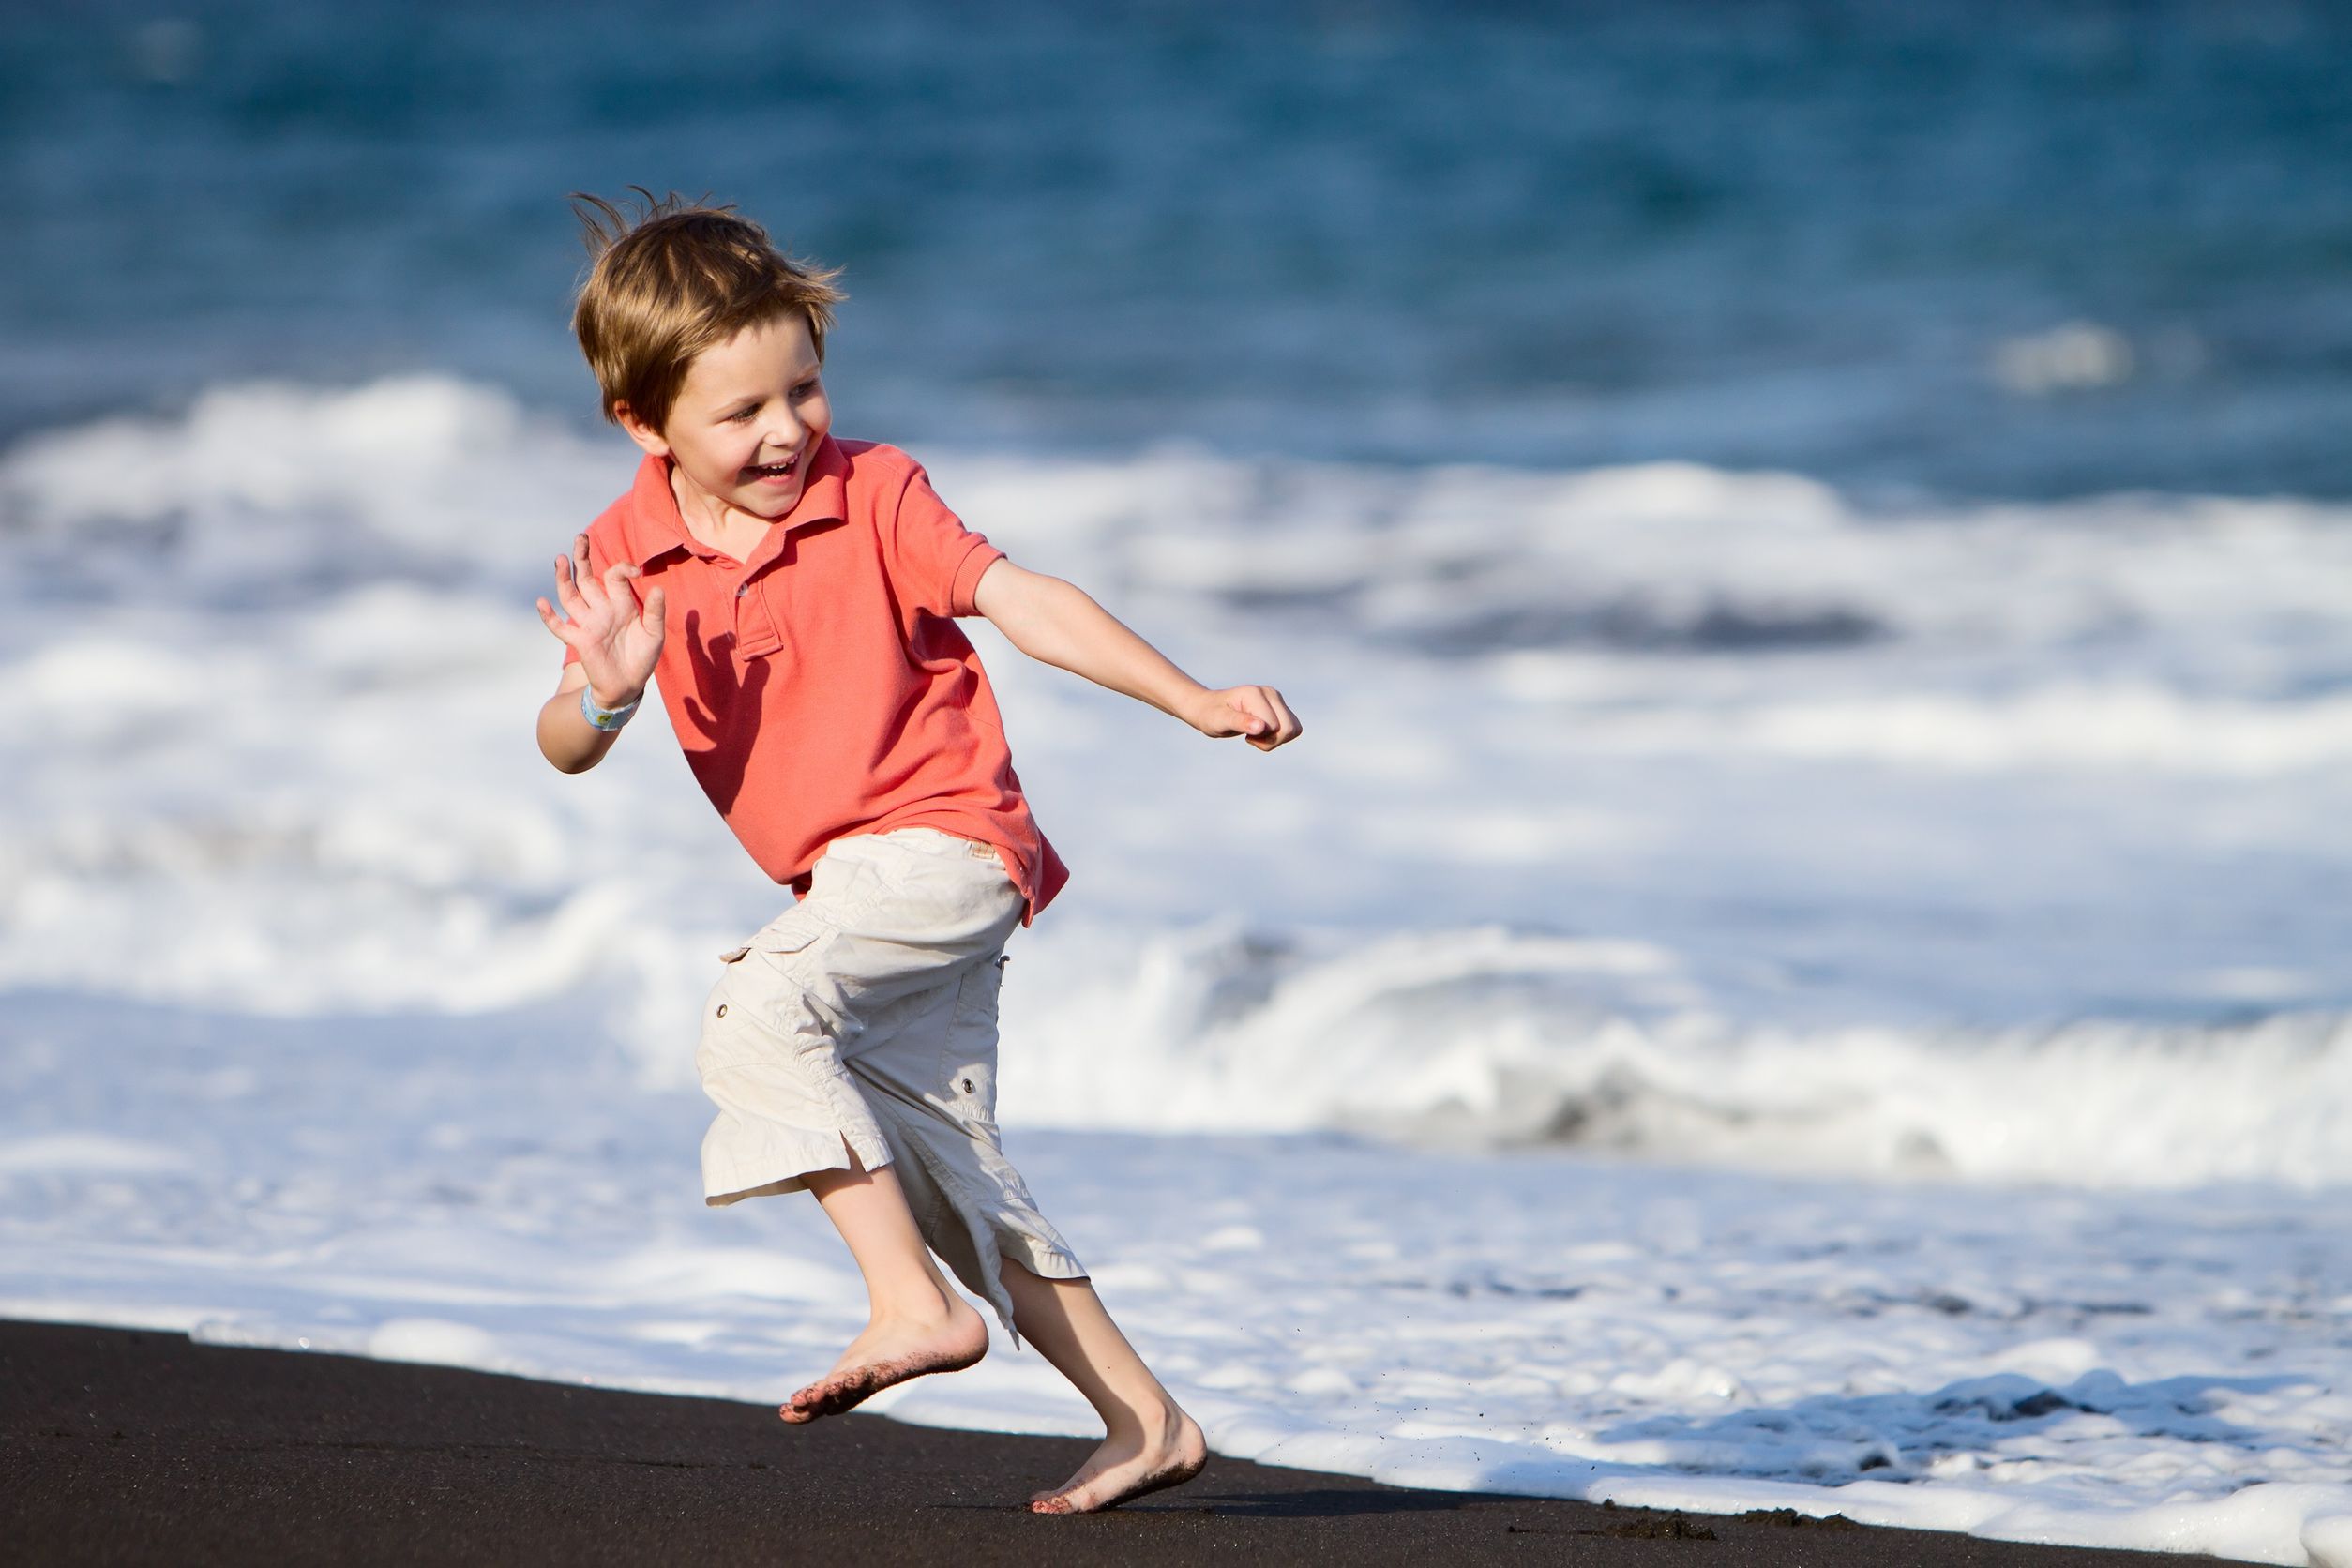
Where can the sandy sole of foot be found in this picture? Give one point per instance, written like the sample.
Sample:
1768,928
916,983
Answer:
840,1392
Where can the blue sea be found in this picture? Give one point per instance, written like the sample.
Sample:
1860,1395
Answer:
1977,249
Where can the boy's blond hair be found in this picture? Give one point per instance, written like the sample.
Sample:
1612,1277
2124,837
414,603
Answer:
675,277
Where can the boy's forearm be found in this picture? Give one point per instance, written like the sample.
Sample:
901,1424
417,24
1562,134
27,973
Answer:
1059,624
566,739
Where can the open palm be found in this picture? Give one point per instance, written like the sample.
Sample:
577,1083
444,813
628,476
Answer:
617,639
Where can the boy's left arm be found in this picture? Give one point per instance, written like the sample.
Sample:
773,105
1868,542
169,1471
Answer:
1057,623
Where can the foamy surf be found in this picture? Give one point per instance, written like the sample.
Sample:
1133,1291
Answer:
2128,1368
1663,810
1967,880
1490,1038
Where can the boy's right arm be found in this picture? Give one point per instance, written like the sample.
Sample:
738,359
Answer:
618,643
566,738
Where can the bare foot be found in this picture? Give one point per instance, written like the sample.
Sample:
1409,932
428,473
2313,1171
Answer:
1129,1467
890,1352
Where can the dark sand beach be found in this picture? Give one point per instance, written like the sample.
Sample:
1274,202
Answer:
121,1447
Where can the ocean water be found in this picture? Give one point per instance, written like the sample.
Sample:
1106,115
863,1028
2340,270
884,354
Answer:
1987,249
1801,960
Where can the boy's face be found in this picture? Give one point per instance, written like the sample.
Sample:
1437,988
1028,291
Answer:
746,420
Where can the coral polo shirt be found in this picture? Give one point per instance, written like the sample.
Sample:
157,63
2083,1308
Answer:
822,688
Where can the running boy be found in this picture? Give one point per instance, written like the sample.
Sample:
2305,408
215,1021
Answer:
794,596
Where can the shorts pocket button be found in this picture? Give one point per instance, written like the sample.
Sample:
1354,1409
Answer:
722,1009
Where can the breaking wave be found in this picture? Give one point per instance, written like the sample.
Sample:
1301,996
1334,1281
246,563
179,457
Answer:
1666,810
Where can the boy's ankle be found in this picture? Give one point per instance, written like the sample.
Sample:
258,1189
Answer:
934,1311
1154,1419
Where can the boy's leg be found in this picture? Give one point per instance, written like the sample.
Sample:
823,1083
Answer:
916,1324
1149,1442
886,933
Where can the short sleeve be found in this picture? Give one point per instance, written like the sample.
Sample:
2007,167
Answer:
935,562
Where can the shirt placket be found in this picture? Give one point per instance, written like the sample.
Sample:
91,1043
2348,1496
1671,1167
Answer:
755,632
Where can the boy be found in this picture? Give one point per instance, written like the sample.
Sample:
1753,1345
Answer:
792,596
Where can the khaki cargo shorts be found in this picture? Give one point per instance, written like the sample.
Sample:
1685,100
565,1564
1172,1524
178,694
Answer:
865,1016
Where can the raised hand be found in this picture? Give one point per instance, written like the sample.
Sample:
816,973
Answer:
1256,713
618,640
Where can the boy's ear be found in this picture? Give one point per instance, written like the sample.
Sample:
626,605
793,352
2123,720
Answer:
643,434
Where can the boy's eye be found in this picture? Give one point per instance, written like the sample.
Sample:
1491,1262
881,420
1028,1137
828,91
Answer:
804,388
741,414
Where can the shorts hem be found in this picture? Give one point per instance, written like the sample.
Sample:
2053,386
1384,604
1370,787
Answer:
724,1180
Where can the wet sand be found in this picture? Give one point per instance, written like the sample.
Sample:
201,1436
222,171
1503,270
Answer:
128,1447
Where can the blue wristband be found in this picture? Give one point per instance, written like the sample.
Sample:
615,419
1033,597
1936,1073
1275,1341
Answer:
606,719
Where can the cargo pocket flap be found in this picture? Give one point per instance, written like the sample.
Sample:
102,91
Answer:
786,935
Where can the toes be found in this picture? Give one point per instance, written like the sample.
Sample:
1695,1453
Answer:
809,1403
1096,1493
1057,1498
830,1398
1075,1498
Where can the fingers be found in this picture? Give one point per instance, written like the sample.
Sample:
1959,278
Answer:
1254,718
651,620
582,576
1287,726
549,618
568,588
1260,717
617,578
584,594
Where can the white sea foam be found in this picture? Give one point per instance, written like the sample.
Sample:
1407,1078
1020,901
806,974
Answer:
1488,1037
1660,810
1669,816
2126,1368
2073,357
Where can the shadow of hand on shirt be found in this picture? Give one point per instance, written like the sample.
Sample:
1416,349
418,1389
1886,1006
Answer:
725,707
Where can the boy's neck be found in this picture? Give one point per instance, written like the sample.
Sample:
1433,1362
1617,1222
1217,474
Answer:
712,521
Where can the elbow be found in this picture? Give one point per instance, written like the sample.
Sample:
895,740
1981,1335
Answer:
564,757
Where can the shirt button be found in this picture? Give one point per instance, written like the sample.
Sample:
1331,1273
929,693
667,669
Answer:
742,588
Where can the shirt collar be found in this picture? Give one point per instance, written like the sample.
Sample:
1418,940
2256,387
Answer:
652,528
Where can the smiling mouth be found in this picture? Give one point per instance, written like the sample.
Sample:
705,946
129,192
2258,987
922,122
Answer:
775,470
